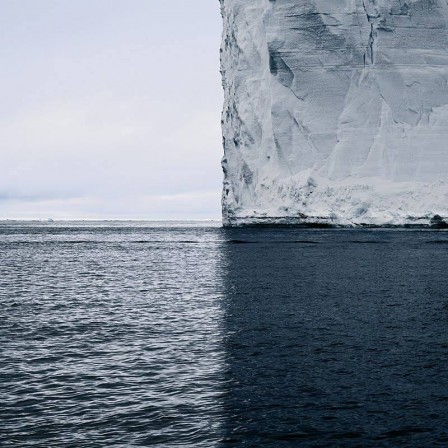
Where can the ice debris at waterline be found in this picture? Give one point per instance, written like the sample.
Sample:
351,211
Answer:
336,112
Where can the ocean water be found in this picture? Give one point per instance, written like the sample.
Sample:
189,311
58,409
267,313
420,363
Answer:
116,334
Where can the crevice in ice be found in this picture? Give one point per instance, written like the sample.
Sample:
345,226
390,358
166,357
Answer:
306,133
373,15
279,68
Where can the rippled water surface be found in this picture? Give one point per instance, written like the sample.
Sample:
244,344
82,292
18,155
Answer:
116,334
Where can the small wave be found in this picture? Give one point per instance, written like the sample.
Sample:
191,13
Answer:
395,433
310,433
164,242
368,242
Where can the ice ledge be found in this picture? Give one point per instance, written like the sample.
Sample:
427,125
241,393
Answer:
423,222
310,200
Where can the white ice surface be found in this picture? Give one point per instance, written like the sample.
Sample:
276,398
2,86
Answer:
335,110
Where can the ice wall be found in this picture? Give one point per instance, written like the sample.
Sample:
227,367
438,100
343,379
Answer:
336,111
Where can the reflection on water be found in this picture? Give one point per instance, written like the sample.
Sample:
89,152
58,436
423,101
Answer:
336,338
143,334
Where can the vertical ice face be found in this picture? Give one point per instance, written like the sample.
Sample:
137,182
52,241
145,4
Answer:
335,111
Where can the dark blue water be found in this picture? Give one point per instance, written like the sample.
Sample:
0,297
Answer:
154,334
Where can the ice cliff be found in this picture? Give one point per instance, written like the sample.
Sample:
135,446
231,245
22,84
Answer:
336,111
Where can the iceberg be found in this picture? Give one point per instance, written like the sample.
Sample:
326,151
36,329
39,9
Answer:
335,112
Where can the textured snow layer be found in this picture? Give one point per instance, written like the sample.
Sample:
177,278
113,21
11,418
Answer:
335,111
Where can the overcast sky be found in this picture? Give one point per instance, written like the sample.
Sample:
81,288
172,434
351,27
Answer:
110,109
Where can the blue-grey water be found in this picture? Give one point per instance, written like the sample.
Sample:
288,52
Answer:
186,334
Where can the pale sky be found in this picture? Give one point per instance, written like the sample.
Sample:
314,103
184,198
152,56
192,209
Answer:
110,109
